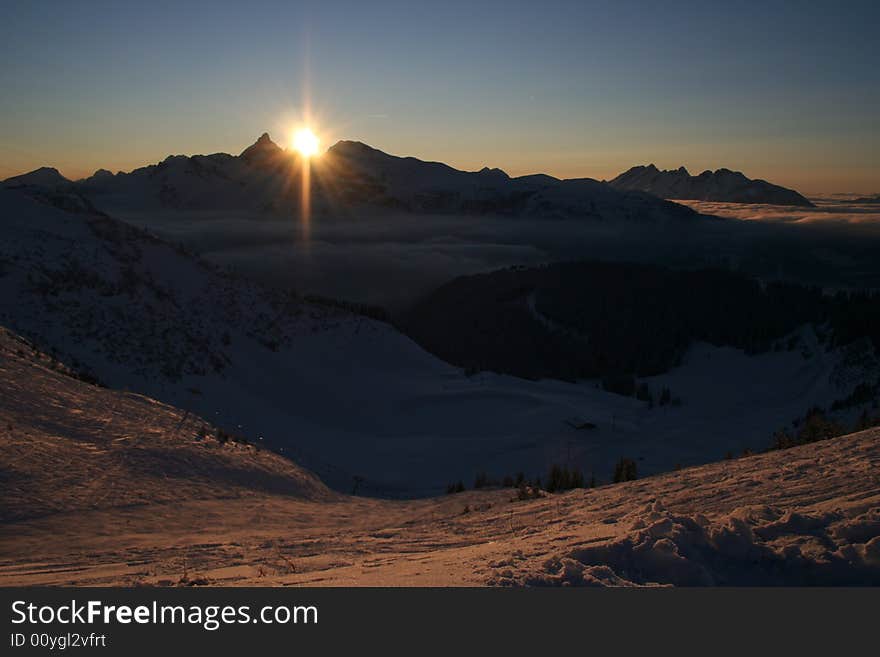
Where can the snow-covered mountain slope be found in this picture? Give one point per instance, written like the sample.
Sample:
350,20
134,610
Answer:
101,487
720,185
72,446
361,173
263,179
267,179
347,396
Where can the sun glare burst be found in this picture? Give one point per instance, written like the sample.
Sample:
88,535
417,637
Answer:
305,142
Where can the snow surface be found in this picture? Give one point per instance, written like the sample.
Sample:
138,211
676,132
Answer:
104,487
352,176
350,397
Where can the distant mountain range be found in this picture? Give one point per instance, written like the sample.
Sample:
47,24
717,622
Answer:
355,400
352,175
722,185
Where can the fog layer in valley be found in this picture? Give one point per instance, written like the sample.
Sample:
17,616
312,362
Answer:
828,210
392,260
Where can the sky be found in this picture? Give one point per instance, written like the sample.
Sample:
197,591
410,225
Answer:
785,91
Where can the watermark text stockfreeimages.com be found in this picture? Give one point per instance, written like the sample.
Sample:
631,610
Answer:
209,617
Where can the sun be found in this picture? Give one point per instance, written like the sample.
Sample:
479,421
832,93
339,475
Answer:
306,142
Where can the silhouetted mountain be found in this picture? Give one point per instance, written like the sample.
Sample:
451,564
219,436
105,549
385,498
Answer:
101,175
722,185
360,174
263,148
42,177
350,176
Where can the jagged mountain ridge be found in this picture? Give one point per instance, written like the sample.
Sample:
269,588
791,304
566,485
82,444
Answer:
367,175
722,185
349,176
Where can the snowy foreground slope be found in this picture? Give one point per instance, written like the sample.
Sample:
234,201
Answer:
71,446
102,487
349,397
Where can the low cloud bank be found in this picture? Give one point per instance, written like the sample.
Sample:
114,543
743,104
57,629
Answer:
828,211
392,260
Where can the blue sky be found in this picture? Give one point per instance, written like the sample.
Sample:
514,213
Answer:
787,91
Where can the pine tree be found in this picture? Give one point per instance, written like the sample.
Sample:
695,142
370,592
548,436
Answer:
625,470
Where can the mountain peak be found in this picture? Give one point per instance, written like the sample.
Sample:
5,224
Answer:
496,173
350,147
721,185
42,177
264,146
